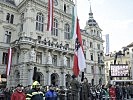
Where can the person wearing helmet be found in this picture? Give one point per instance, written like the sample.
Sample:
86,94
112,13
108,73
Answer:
35,93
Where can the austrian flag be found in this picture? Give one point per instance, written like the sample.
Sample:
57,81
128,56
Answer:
79,59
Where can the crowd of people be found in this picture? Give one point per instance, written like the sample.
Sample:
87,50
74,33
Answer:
76,91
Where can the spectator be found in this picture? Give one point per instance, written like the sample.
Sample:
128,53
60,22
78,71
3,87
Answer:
51,94
18,94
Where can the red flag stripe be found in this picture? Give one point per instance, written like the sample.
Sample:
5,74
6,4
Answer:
50,15
9,62
75,66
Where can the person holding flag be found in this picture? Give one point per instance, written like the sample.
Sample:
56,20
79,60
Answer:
74,87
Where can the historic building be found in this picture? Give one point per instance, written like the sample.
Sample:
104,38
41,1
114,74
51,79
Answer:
125,57
23,27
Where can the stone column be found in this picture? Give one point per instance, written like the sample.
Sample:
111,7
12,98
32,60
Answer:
64,80
30,75
49,78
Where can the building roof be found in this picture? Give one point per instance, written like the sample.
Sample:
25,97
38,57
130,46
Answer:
12,2
130,45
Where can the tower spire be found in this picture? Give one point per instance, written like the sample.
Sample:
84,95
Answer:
90,13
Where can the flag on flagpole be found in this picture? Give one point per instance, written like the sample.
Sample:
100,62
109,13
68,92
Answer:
50,15
79,59
9,61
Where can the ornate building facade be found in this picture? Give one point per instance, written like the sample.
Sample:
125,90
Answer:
23,27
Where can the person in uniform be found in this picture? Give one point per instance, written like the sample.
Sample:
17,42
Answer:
85,89
75,86
35,93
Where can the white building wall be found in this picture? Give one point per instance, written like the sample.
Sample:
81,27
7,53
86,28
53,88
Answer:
22,62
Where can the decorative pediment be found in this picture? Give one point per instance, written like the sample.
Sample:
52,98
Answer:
10,27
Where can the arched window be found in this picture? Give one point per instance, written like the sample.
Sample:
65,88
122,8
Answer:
55,28
39,22
12,18
8,17
67,31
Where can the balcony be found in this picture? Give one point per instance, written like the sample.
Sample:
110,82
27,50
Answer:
44,44
100,62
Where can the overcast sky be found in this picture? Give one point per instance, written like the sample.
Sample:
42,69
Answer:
115,17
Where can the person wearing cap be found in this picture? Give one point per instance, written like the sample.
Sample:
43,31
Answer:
35,93
18,94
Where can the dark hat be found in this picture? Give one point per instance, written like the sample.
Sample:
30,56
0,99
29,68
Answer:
19,85
73,76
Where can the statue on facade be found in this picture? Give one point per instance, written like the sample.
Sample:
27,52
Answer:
49,60
64,61
33,55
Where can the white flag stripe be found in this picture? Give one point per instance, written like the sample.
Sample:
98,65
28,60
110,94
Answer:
9,61
81,59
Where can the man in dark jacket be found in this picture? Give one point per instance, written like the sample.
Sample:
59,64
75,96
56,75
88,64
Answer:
35,93
75,86
85,89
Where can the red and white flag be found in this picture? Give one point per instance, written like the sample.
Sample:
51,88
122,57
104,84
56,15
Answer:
79,59
9,61
50,15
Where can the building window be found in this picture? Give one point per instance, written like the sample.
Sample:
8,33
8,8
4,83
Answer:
67,31
39,57
55,28
12,18
85,70
22,19
54,60
98,46
39,39
65,8
84,42
4,58
85,54
91,45
68,62
7,37
100,70
9,18
98,58
92,69
39,22
91,56
17,58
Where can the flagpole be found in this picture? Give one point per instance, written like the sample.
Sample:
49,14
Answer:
82,72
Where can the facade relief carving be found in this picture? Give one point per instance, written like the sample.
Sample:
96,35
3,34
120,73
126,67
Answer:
32,55
49,59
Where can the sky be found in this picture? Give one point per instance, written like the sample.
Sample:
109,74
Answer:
114,17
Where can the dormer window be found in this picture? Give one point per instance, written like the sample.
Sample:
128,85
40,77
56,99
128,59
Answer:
65,8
